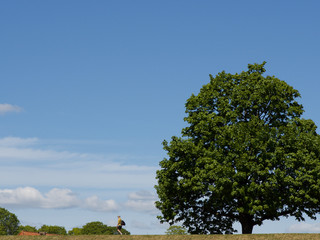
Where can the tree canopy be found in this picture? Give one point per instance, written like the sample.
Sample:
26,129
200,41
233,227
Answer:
94,228
9,223
27,228
53,229
246,156
98,228
176,230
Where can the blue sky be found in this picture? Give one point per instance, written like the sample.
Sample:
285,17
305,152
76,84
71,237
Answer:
90,89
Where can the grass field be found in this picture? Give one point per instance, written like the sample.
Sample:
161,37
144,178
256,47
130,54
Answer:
172,237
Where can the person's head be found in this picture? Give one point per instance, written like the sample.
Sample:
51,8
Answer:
118,216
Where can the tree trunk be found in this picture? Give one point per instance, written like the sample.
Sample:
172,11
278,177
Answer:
247,223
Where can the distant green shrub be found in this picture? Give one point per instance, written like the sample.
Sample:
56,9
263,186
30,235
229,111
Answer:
176,230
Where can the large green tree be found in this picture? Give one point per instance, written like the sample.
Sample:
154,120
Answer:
246,155
9,223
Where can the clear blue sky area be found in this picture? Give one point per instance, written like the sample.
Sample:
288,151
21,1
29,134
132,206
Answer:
90,89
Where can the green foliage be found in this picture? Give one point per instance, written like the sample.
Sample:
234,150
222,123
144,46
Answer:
53,229
3,230
246,155
94,228
75,231
27,228
176,230
98,228
9,223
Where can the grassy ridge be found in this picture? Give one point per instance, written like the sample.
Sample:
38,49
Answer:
172,237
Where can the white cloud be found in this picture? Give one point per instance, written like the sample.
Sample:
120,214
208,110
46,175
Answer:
17,142
32,162
142,195
84,175
7,108
56,198
31,197
22,154
95,204
140,205
60,198
23,160
142,201
24,149
304,228
26,197
31,149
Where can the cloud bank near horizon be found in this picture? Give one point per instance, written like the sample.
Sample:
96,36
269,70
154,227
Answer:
30,162
63,198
